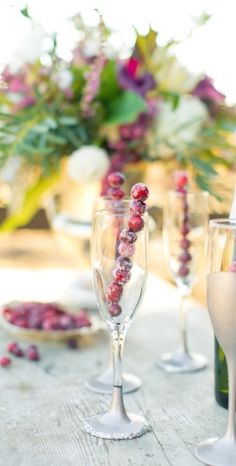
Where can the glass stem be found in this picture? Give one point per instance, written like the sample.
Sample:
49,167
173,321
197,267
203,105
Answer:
230,431
110,357
183,326
117,407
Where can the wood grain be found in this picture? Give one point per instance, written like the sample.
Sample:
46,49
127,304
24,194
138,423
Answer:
43,405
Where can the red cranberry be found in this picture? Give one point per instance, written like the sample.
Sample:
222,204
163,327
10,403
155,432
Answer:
113,292
5,361
232,267
15,349
185,256
121,275
183,270
185,243
138,207
135,223
180,179
115,193
65,322
182,191
21,322
127,236
51,323
186,219
32,353
116,179
124,263
82,319
139,192
35,322
126,249
72,343
185,229
115,309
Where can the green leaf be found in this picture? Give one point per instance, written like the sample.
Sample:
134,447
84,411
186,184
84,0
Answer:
145,45
25,12
125,108
204,185
204,166
108,82
68,121
30,203
173,97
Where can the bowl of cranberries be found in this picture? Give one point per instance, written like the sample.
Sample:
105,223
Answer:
47,321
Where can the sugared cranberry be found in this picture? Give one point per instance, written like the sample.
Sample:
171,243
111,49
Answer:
138,207
135,223
186,219
72,343
185,256
66,322
113,292
126,249
232,267
127,236
82,319
180,179
183,270
5,361
124,263
182,192
115,309
185,243
15,349
121,275
185,229
32,353
139,192
50,323
116,179
116,193
46,316
21,322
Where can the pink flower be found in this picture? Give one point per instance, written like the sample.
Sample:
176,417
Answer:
26,101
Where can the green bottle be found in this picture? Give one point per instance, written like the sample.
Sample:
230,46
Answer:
221,376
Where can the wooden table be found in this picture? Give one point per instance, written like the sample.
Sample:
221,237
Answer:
43,404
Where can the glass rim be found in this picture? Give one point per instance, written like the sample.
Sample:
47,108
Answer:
226,223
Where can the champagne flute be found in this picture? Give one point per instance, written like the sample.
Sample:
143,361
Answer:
118,306
184,233
102,382
221,298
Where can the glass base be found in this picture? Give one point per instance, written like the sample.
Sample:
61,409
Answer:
179,361
113,427
103,382
217,452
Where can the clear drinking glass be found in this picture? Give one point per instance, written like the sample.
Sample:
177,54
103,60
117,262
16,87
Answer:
103,382
221,298
116,423
184,237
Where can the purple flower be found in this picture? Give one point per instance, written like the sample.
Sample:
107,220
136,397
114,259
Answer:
139,84
206,92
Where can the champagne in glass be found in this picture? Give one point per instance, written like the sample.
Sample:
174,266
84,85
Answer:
221,297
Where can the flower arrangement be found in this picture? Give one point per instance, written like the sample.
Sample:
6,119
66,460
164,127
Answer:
145,108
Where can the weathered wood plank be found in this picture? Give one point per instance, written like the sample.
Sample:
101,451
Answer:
43,405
